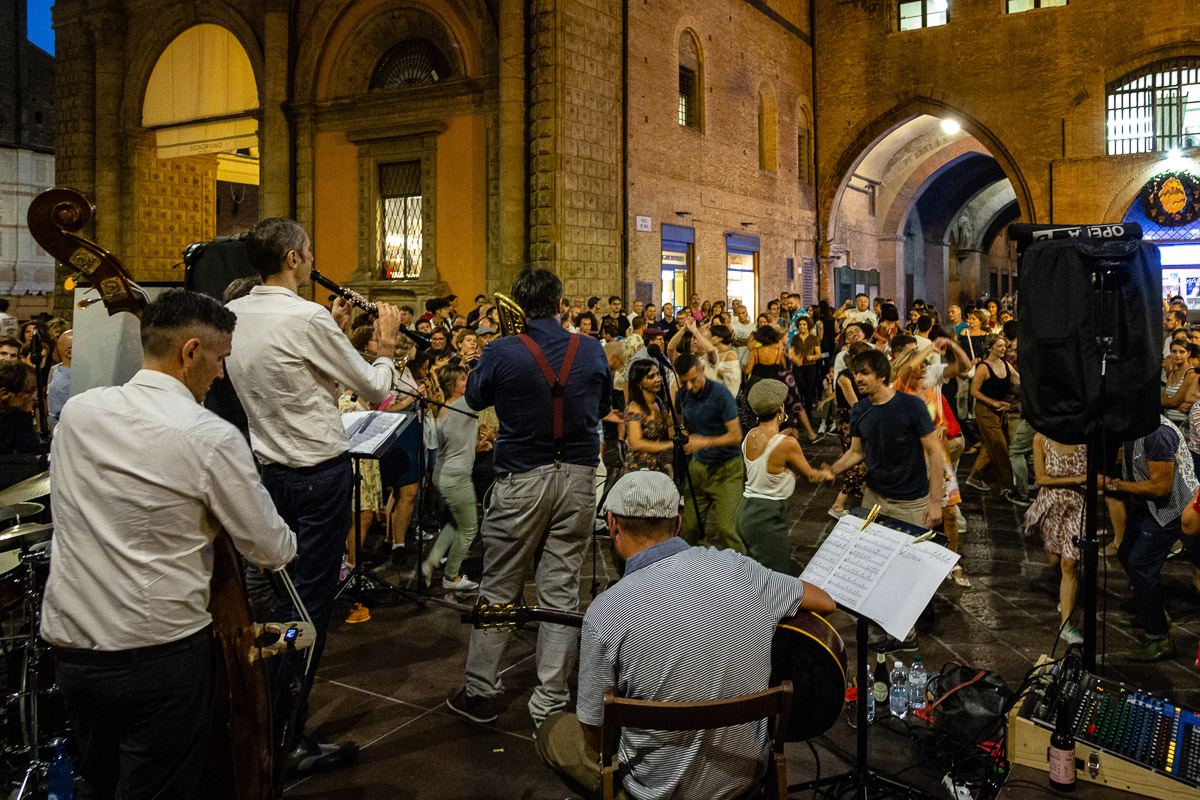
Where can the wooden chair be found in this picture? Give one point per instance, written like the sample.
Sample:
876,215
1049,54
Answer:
773,704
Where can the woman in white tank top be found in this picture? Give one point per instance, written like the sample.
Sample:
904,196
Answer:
773,459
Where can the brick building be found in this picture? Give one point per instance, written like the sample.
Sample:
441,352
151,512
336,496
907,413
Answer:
27,128
648,149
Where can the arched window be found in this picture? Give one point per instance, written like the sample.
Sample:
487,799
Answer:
691,81
1155,108
803,147
413,62
766,131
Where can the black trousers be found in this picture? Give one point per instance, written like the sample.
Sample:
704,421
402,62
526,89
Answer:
141,718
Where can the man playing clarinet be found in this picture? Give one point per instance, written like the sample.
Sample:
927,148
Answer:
550,389
288,356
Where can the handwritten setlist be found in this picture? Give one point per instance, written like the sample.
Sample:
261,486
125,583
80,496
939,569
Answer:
879,572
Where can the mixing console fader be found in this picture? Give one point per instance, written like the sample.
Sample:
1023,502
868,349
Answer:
1130,724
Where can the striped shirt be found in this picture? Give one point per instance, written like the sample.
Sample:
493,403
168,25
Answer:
685,624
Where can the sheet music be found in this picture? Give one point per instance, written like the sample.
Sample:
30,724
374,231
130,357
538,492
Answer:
369,431
879,572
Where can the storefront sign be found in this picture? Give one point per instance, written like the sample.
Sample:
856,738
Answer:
1172,199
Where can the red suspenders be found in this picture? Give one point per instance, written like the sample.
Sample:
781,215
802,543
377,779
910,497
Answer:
557,384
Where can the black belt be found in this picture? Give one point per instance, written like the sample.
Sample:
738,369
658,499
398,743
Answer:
108,658
315,469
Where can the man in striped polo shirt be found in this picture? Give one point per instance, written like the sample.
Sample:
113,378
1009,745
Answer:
683,624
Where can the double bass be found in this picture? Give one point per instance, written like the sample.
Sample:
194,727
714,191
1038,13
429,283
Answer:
245,761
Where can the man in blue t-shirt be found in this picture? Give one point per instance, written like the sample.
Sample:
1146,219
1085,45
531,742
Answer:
715,472
892,432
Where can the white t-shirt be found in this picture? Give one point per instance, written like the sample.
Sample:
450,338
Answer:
741,331
855,315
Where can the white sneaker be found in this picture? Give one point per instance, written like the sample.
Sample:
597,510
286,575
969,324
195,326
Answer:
463,584
821,430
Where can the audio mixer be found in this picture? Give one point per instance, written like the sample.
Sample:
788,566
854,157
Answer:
1125,737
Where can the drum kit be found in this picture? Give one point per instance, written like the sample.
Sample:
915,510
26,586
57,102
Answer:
32,716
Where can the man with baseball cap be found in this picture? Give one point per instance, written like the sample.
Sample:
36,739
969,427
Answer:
683,624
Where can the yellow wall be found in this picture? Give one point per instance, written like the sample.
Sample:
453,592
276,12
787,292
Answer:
335,225
462,206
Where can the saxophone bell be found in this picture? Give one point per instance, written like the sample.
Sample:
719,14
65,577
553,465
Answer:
512,316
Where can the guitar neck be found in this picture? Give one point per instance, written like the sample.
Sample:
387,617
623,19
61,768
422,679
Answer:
573,618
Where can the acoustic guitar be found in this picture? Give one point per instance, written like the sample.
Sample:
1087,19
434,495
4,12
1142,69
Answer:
806,650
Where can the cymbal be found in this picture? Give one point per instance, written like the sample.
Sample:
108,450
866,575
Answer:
28,489
18,510
24,535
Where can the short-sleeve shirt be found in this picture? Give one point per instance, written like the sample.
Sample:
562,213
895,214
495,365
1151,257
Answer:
705,414
645,639
891,439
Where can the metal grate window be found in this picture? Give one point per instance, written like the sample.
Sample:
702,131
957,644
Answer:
915,14
1156,108
400,232
1017,6
413,62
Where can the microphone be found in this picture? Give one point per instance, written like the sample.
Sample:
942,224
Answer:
35,348
655,352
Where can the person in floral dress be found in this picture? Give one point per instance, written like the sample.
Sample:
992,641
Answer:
1057,516
647,430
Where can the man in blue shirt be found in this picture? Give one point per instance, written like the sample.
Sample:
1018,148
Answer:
550,389
716,472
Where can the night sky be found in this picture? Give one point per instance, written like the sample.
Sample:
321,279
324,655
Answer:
39,24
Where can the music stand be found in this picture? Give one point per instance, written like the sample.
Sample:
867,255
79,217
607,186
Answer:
386,427
862,777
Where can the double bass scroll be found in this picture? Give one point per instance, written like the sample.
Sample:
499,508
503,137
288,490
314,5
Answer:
54,218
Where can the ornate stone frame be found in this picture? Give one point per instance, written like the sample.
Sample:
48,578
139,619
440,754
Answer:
372,152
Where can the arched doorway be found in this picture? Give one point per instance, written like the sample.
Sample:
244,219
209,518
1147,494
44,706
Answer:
198,169
921,205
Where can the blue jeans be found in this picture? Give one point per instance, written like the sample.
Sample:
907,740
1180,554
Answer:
315,503
1143,553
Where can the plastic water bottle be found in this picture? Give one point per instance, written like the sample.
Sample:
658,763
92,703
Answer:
60,778
868,690
899,696
916,684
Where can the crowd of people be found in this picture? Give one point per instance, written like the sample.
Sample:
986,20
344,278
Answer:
669,428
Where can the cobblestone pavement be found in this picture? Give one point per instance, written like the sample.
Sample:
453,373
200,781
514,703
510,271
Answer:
382,683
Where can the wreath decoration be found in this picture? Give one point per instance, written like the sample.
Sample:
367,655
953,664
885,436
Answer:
1172,199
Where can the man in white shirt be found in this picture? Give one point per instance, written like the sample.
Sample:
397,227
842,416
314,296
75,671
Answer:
288,357
862,311
143,478
742,327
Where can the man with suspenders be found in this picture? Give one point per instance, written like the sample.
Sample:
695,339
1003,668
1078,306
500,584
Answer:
550,389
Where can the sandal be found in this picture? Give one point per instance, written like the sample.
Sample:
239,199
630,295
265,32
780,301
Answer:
961,578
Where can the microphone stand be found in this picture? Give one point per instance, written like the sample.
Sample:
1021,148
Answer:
679,457
35,358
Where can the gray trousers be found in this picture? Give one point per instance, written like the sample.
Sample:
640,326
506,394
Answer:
550,508
455,539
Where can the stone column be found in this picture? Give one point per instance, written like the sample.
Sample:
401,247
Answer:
274,137
511,146
575,144
113,201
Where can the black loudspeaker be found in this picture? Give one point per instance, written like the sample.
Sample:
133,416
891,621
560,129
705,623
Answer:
1025,234
209,267
1088,305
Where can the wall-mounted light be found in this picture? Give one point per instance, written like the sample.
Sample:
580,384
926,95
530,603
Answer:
746,224
951,126
683,213
1174,153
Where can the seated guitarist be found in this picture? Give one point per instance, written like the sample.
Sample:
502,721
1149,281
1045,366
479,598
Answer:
683,624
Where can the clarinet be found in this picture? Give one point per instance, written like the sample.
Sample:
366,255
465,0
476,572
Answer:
352,297
356,299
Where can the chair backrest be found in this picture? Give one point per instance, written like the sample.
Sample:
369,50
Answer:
774,705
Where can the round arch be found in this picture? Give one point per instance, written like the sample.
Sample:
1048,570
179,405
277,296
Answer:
854,149
331,37
173,23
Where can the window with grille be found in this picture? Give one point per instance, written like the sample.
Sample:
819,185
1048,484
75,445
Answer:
413,62
690,81
1156,108
1017,6
916,14
400,234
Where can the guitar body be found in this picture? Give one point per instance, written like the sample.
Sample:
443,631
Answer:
806,650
